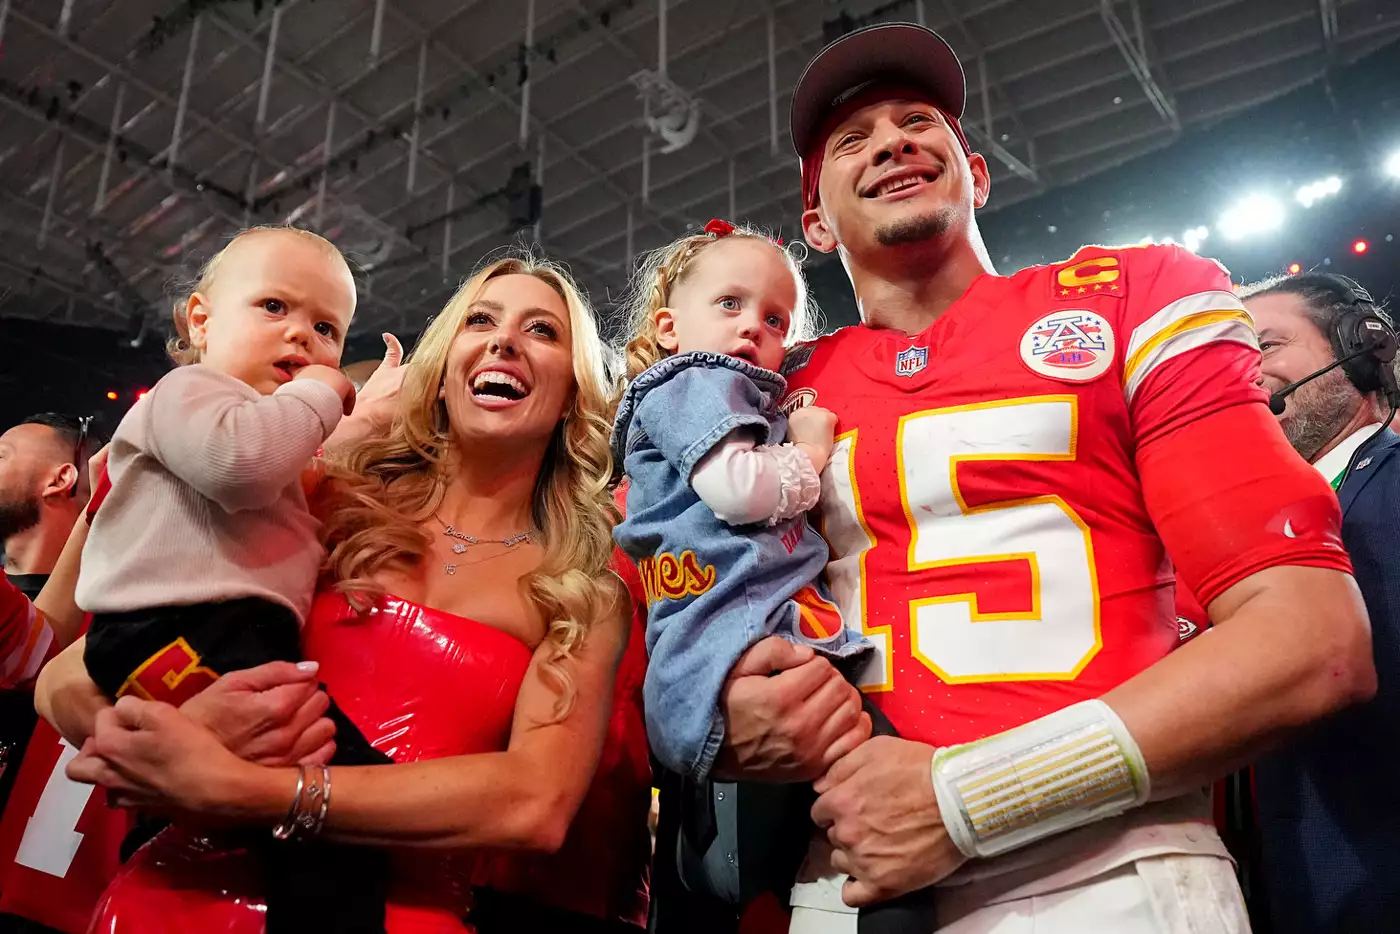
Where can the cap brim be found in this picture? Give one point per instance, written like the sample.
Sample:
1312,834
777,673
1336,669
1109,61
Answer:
910,54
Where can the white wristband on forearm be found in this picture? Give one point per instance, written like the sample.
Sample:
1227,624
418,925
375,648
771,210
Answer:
1065,770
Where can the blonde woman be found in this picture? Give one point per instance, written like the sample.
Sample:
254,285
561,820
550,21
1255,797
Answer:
470,625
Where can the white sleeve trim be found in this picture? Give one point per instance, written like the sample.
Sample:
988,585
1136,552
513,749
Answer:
1183,325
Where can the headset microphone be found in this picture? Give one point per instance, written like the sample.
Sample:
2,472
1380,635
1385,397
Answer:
1279,400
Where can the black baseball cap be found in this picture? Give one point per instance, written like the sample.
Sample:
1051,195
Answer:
905,53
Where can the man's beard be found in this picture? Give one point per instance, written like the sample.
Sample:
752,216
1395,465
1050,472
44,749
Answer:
1317,412
916,229
18,515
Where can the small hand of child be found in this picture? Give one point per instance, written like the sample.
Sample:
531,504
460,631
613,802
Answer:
813,429
332,378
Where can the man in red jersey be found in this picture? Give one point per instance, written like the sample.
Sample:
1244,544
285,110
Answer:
1017,457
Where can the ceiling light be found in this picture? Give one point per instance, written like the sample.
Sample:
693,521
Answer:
1194,237
1360,246
1254,214
1392,165
1314,192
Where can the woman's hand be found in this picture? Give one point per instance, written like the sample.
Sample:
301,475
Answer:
273,714
376,402
151,756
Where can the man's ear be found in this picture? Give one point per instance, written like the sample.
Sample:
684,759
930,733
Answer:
981,179
60,482
666,329
816,232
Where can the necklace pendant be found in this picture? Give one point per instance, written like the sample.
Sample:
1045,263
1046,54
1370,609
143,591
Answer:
458,547
450,569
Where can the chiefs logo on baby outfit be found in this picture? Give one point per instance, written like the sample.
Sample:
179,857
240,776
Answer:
174,675
1069,345
675,577
818,619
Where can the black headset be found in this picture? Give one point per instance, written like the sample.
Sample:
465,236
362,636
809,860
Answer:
1363,342
1363,336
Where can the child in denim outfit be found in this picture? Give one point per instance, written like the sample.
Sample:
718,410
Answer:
720,481
720,484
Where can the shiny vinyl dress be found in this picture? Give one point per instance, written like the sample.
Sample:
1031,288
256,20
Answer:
420,684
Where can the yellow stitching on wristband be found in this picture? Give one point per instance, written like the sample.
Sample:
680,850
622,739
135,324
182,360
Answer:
988,830
1098,735
1020,780
1112,778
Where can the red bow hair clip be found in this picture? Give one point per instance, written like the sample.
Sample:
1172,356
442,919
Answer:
721,228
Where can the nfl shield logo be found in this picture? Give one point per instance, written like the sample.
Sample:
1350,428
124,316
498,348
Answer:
908,362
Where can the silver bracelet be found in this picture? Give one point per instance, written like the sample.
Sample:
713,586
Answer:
326,801
284,830
311,819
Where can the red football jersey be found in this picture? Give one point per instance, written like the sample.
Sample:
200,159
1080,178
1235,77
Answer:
984,504
59,841
26,638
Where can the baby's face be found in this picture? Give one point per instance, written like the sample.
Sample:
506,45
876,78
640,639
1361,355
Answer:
279,301
736,299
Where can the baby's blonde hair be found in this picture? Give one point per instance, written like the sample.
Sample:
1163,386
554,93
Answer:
663,269
179,347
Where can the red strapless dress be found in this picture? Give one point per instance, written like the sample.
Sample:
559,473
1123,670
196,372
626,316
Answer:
420,684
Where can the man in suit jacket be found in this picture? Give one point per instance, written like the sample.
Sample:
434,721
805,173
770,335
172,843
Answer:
1328,820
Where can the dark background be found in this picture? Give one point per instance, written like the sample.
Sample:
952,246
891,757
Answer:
1346,125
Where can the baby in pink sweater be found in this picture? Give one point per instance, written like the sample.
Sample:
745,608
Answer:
205,540
203,558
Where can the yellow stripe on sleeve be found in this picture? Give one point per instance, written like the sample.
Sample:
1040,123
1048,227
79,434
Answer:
1189,323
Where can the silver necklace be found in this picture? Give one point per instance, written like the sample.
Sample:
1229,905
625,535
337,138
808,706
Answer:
462,540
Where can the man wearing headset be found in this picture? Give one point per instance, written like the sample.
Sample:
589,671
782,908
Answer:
1329,829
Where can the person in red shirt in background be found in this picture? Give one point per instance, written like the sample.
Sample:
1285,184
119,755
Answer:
44,487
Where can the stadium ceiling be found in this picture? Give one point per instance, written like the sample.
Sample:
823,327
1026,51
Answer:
136,135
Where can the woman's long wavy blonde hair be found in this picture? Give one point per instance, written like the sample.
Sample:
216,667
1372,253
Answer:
663,269
385,489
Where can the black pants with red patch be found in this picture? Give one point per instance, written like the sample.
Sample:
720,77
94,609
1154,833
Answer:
172,653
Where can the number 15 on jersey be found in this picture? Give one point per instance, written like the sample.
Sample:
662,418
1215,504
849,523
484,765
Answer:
953,549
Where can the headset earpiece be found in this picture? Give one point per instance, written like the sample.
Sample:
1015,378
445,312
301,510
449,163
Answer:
1362,326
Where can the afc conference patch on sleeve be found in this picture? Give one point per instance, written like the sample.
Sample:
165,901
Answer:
1071,345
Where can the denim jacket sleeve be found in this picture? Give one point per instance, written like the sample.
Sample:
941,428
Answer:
690,412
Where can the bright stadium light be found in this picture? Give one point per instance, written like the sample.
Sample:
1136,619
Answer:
1254,214
1194,237
1392,165
1312,193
